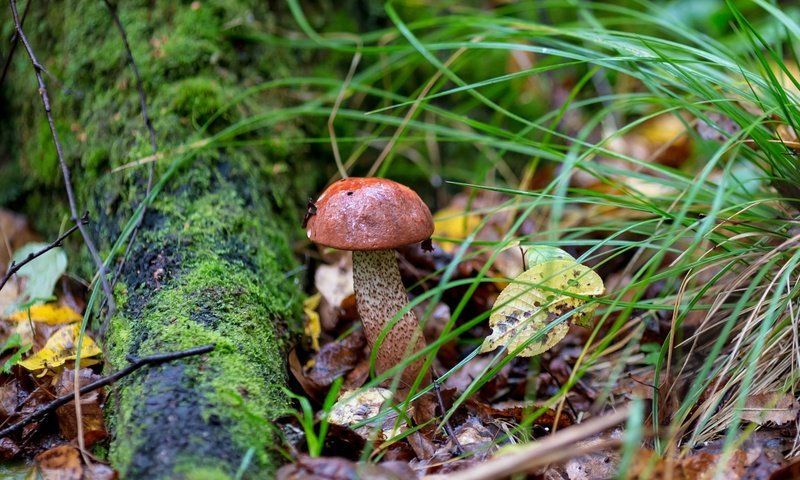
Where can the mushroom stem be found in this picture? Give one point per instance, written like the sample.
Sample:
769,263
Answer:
380,294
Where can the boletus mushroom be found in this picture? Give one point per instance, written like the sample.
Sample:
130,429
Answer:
372,217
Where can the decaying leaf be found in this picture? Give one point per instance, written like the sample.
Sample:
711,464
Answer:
49,313
355,407
60,347
91,409
337,467
774,407
527,307
60,463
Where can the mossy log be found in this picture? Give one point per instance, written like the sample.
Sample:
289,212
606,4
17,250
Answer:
211,262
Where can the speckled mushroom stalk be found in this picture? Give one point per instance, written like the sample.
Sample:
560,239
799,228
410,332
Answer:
380,294
372,217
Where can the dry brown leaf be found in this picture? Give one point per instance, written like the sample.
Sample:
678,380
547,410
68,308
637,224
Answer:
60,463
517,411
336,359
8,449
773,407
91,408
334,468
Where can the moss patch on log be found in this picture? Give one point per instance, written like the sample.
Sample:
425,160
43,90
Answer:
211,269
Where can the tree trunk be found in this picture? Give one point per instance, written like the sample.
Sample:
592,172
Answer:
211,262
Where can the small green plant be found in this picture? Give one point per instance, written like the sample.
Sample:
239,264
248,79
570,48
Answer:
13,342
315,439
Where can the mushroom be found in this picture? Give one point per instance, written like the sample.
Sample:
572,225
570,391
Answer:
372,217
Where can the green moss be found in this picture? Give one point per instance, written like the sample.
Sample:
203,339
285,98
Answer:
196,98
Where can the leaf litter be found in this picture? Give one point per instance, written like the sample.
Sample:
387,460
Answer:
39,328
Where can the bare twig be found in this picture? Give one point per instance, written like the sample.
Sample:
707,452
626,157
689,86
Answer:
15,267
38,69
112,9
447,427
135,364
14,41
553,448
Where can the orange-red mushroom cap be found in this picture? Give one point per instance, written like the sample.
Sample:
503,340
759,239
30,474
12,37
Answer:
369,214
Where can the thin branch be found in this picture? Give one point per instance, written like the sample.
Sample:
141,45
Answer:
112,9
14,42
37,67
15,267
135,364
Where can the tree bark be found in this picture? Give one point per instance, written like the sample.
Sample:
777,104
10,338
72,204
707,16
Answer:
212,261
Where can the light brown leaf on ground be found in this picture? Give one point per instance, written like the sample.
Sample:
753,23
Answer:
60,463
701,466
356,406
335,282
773,407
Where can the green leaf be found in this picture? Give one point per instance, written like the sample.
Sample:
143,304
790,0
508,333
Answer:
544,253
42,273
13,342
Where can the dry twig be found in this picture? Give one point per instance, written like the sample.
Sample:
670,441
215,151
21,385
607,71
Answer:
135,364
38,69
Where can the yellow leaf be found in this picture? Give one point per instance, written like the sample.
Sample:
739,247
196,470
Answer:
49,313
535,299
454,224
313,327
60,347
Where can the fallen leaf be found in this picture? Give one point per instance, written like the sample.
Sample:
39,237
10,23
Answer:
518,410
8,449
789,472
312,328
533,300
16,348
49,313
355,407
336,359
453,224
335,282
332,468
60,347
775,407
91,409
42,273
60,463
